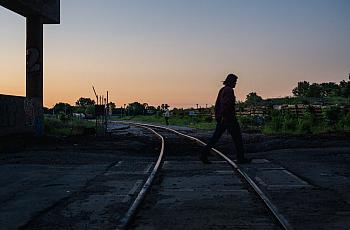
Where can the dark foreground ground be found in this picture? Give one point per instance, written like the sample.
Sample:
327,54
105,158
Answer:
307,178
68,183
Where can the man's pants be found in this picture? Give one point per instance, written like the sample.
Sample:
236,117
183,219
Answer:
235,131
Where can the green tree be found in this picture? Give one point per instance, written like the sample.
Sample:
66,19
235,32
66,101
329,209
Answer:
85,105
314,91
344,88
329,89
135,108
302,89
164,106
112,105
84,102
63,108
253,99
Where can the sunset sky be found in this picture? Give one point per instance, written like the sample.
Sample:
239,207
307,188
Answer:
178,51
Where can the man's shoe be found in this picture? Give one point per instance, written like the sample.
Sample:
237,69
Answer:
244,161
204,159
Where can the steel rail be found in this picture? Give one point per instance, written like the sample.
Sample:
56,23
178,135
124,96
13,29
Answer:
126,220
273,209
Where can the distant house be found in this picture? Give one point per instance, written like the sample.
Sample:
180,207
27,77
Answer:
278,107
192,113
79,115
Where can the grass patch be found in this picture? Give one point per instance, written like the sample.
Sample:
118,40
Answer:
332,121
186,121
67,127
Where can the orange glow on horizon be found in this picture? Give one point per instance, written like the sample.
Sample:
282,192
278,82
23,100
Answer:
180,61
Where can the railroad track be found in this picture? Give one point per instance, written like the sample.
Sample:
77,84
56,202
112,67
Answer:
194,169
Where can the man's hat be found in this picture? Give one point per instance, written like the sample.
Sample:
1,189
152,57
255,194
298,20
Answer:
230,79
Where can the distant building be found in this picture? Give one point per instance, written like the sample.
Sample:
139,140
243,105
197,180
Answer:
79,115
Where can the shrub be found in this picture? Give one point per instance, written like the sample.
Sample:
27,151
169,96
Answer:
69,127
275,123
344,122
208,119
306,123
245,122
290,122
332,114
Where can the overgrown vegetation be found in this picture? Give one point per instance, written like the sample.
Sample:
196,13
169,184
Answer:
199,122
331,98
66,126
332,120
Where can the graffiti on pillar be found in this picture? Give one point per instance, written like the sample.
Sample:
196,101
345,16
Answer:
33,115
33,56
8,111
29,112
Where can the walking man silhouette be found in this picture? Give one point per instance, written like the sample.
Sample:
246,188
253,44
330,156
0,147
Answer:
225,116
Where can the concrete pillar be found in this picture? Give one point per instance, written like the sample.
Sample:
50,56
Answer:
34,69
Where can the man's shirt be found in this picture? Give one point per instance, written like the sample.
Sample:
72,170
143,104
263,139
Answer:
225,105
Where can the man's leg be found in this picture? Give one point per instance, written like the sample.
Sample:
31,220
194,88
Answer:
219,130
236,135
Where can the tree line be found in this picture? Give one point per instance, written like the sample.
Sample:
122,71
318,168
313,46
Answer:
82,105
305,93
303,90
87,106
320,90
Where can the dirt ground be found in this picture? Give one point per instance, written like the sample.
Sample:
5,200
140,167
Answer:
69,182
